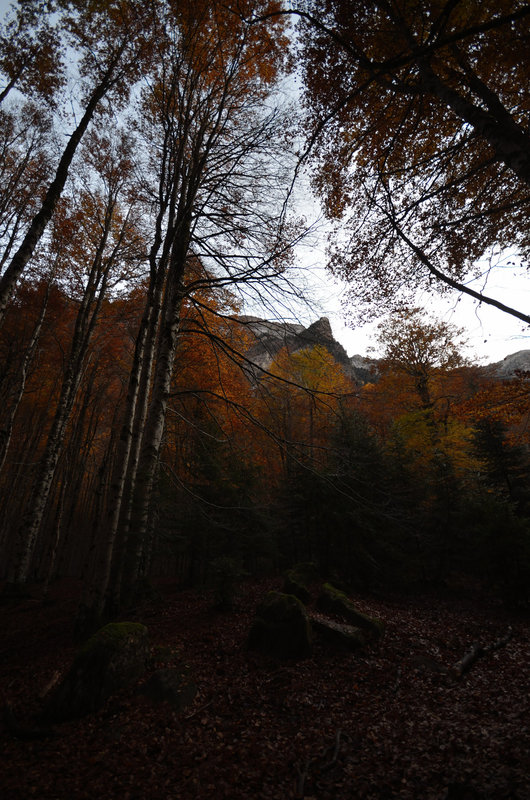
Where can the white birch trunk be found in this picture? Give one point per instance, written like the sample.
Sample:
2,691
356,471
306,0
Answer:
154,431
7,429
98,586
85,323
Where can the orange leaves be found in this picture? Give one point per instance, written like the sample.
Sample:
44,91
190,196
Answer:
505,402
414,405
420,102
218,41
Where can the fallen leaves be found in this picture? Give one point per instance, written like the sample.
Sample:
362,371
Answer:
334,727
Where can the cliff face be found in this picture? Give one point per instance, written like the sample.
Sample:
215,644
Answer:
270,337
509,366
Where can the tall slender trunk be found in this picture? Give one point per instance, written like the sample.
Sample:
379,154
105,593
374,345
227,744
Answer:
72,474
95,596
28,532
154,427
56,537
7,429
84,328
53,194
115,527
138,429
100,501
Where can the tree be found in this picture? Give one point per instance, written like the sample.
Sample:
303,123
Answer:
25,140
421,349
30,52
417,120
302,395
416,406
108,64
214,177
105,242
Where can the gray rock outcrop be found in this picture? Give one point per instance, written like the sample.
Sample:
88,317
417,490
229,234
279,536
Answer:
281,628
110,660
511,365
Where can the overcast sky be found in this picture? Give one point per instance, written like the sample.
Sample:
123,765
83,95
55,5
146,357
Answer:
492,334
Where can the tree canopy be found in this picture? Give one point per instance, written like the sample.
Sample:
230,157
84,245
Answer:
418,124
148,153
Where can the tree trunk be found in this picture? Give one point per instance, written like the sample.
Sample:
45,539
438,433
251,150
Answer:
510,143
95,597
84,328
154,429
138,428
53,194
57,530
7,429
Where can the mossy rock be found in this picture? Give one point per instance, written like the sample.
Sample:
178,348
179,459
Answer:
333,601
294,584
347,637
307,572
298,580
109,661
281,628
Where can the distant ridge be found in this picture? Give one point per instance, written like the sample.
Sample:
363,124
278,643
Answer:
510,365
270,337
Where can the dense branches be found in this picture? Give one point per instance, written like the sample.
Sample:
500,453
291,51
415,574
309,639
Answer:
422,139
147,190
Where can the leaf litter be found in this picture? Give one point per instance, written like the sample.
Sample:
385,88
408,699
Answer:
388,721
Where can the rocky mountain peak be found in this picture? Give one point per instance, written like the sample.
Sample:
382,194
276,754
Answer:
509,366
270,337
319,330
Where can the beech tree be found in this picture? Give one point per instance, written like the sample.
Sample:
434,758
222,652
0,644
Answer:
110,49
31,52
421,348
418,128
104,240
215,180
301,395
416,405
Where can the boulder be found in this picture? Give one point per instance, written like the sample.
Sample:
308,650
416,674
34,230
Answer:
345,636
333,601
298,580
281,628
294,583
171,685
110,660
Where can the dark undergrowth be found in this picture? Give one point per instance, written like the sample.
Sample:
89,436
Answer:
387,721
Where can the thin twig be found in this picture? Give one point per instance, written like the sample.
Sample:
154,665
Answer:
197,710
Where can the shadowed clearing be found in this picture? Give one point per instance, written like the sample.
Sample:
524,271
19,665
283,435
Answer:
385,721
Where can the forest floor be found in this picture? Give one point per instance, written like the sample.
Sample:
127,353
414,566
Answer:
384,722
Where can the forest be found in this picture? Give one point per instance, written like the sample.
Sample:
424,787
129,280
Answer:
153,159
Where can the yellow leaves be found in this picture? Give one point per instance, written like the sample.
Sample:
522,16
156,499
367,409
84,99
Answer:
312,368
301,400
430,444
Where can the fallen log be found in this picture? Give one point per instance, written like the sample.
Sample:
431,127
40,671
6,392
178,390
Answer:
477,651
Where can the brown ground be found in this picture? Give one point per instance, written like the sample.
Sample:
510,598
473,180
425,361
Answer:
381,723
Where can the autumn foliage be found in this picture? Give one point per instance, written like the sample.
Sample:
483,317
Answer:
146,198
